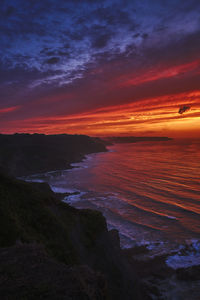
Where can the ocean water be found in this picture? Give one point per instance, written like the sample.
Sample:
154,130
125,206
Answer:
149,191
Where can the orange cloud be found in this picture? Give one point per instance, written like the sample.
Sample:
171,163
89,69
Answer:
157,116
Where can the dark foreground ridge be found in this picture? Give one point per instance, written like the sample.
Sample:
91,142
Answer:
26,154
50,250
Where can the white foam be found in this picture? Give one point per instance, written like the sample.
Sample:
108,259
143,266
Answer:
188,256
62,190
183,261
71,199
195,244
35,180
78,166
57,171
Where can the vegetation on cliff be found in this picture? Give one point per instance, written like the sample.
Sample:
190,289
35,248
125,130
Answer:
30,214
26,154
50,250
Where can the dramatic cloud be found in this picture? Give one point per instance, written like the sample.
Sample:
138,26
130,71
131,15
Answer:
60,59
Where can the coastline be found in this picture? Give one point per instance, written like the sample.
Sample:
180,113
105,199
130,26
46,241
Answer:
179,255
156,275
27,154
32,216
167,270
153,274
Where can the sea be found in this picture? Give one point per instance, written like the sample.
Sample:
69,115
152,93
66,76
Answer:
149,191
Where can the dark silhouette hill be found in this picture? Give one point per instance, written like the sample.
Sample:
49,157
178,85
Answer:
49,248
26,154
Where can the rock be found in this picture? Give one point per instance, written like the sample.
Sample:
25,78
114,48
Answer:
114,235
27,154
69,236
188,274
27,272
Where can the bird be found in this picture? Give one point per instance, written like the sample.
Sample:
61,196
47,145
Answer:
183,109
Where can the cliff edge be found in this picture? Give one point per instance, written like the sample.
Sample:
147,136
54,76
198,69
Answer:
42,237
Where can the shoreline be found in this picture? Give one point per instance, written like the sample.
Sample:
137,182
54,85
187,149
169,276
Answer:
27,154
157,277
140,252
173,256
159,280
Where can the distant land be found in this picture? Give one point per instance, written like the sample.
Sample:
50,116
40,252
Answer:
57,251
27,154
50,250
134,139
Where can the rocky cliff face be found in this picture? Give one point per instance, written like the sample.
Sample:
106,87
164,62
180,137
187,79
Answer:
31,219
26,154
27,272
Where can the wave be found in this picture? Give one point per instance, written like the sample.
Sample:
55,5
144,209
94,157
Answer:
150,193
188,256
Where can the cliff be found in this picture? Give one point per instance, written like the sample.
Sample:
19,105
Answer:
48,248
26,154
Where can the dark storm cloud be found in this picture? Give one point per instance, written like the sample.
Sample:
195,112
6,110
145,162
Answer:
114,15
101,41
39,32
100,36
52,60
9,11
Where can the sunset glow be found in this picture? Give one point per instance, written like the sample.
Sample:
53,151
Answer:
100,149
128,76
157,116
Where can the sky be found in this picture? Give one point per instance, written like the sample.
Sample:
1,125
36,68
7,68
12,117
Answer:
100,67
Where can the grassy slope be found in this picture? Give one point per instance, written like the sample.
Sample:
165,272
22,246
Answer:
30,213
27,273
25,154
